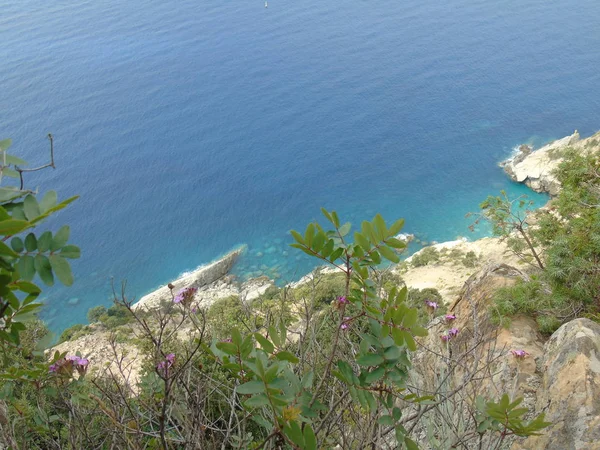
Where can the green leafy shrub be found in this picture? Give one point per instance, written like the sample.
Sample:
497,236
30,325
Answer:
429,255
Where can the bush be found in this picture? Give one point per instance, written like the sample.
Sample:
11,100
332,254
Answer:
426,256
95,313
225,314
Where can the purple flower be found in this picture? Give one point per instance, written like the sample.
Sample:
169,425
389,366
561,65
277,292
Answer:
453,332
68,364
163,366
431,305
342,300
185,296
450,317
445,337
519,353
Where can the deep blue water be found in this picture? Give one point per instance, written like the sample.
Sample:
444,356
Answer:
191,127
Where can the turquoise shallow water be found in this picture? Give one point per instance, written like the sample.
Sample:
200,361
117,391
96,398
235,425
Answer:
193,127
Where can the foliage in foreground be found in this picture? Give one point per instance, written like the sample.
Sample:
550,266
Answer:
339,377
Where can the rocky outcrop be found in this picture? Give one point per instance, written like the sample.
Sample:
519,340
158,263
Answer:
535,168
570,390
199,278
559,376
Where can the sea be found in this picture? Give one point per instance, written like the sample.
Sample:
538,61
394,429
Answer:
189,128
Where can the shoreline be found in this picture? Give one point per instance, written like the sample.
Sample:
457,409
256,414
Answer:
526,165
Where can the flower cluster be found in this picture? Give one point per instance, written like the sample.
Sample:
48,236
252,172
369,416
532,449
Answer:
451,334
340,302
432,306
520,354
450,318
164,366
66,366
185,296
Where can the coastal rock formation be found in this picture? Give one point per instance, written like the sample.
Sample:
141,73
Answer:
199,278
559,376
535,168
570,389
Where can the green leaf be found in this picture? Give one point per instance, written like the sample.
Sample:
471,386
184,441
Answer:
257,401
395,243
294,433
375,375
287,356
49,201
345,229
9,227
392,353
396,227
62,269
251,387
60,238
4,144
17,244
28,287
298,237
5,250
30,243
70,251
26,267
389,254
52,210
362,241
31,207
370,359
44,269
44,241
310,440
266,345
410,444
410,341
380,228
386,420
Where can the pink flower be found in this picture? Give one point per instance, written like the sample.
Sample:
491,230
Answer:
453,332
346,323
68,364
445,337
185,296
519,353
431,305
450,317
342,300
164,366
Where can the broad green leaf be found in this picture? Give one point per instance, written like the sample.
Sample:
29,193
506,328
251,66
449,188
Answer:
362,241
345,229
375,375
410,444
389,254
287,356
5,250
4,144
370,359
44,241
60,238
26,267
294,433
386,420
9,227
70,251
52,210
44,269
251,387
62,269
380,228
17,244
31,207
49,201
310,440
264,343
30,243
298,237
396,227
257,401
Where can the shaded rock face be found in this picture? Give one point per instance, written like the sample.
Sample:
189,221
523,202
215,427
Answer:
570,390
